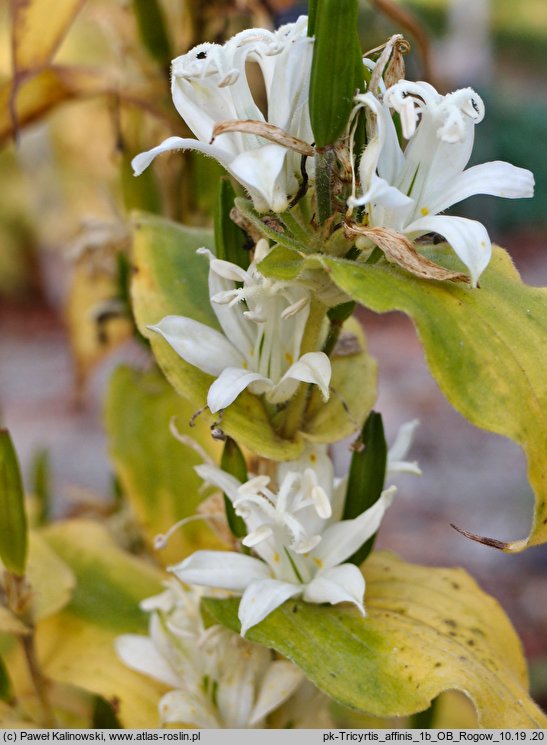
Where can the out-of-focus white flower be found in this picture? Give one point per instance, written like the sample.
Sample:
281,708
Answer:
295,528
219,680
210,86
263,323
407,190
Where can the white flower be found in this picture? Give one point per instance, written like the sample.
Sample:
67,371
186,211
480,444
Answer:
263,323
407,190
210,86
296,532
219,679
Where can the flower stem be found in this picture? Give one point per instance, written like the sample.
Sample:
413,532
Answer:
310,342
323,180
38,679
18,597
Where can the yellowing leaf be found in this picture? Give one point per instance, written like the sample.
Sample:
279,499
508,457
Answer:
487,349
427,630
51,580
353,390
91,339
39,28
76,646
156,471
37,94
171,279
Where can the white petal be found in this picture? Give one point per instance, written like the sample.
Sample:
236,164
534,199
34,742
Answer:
187,708
497,178
261,598
383,194
341,584
229,385
468,238
313,367
141,161
224,569
403,440
198,344
261,172
280,682
219,478
140,654
341,540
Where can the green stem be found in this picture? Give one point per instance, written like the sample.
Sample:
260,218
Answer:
323,179
297,405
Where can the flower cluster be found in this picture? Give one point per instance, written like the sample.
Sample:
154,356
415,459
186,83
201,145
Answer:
210,86
407,189
296,530
263,323
400,189
217,679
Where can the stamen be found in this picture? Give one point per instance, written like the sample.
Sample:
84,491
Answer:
257,536
162,539
295,308
321,502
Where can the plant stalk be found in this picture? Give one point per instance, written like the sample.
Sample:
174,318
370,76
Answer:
310,342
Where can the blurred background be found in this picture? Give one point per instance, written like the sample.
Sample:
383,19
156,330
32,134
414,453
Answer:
94,93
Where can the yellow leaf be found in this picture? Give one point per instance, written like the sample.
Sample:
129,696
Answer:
91,338
38,29
427,630
35,95
76,646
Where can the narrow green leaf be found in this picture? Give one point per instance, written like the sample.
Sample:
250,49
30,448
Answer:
152,29
427,630
332,83
41,484
233,462
13,519
366,477
277,234
312,13
229,238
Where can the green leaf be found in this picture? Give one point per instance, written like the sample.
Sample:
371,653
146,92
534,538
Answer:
13,519
233,462
171,279
366,477
155,470
332,82
485,347
77,645
229,238
427,630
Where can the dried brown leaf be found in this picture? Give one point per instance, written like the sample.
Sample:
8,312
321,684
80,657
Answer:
267,131
400,250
